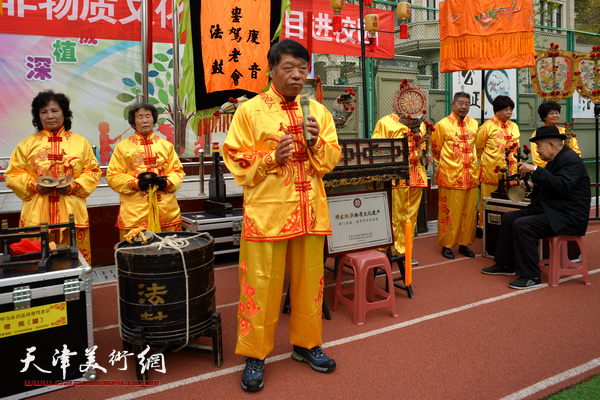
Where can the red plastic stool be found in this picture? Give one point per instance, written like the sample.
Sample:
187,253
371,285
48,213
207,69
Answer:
559,264
364,263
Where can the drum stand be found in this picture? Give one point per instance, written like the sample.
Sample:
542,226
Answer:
39,231
137,347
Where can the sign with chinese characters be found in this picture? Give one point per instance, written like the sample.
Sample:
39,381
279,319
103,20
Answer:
93,19
235,41
303,23
501,82
33,319
359,221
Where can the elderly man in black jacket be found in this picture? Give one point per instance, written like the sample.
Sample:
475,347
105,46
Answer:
560,206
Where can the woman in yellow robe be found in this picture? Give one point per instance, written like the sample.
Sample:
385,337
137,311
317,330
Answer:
55,151
549,113
390,127
145,152
493,138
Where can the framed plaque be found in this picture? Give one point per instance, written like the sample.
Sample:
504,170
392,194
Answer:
359,221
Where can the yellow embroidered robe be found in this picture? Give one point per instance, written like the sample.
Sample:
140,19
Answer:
44,153
453,149
493,138
280,201
133,156
536,157
390,127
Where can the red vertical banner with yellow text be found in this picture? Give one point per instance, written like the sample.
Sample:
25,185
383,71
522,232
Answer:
486,34
235,37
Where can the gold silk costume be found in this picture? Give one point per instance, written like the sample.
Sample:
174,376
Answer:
280,201
390,127
285,217
536,157
453,149
131,157
55,154
493,138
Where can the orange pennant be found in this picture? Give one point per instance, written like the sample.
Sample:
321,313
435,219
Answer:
486,34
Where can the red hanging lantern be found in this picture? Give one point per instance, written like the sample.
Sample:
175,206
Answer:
403,14
372,26
368,2
337,6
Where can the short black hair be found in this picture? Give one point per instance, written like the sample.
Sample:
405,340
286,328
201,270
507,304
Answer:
287,46
502,102
545,108
140,106
42,99
458,95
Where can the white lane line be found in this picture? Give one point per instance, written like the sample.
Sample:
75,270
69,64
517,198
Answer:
556,379
107,327
338,342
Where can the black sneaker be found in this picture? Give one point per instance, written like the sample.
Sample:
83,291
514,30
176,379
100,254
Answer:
525,283
252,378
498,269
315,357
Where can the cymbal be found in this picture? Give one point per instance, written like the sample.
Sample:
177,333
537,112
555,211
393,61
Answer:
147,175
47,181
516,193
64,181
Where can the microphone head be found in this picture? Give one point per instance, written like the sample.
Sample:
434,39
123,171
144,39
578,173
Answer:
304,101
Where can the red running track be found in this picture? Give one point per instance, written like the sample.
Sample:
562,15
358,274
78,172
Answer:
465,335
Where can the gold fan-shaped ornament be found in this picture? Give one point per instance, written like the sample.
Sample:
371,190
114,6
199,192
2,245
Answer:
552,76
587,74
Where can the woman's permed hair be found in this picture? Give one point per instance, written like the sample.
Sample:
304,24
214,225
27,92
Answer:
141,106
42,99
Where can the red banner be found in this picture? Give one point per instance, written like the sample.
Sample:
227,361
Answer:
347,42
90,19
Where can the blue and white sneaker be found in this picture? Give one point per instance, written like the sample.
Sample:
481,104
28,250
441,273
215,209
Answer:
315,357
252,378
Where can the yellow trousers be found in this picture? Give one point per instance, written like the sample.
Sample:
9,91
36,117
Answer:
82,239
457,216
261,274
399,213
175,228
485,191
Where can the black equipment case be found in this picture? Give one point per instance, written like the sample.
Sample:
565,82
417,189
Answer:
44,316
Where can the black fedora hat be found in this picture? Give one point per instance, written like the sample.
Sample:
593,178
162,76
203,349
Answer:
547,131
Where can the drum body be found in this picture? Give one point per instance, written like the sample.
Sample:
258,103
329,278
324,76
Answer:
156,296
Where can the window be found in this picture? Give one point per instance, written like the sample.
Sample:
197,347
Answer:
435,78
422,69
431,14
558,15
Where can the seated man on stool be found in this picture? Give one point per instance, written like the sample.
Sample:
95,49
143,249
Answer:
560,205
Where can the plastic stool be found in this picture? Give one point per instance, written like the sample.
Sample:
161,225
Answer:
364,264
559,264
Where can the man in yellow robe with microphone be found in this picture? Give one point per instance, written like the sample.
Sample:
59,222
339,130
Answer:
286,216
453,149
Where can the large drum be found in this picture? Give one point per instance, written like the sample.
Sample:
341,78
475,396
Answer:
160,295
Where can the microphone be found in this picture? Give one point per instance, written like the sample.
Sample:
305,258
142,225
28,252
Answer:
305,104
